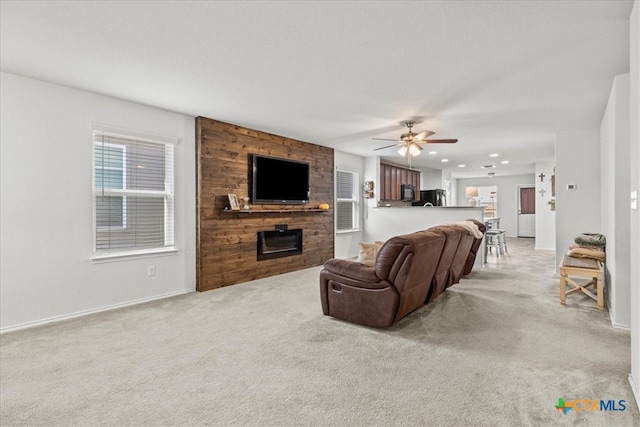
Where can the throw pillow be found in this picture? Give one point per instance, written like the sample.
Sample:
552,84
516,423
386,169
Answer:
368,252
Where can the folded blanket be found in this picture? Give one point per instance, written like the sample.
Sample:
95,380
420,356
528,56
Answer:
471,227
582,252
591,239
594,248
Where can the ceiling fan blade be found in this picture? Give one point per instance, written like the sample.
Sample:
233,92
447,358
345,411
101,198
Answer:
424,134
384,139
388,146
439,141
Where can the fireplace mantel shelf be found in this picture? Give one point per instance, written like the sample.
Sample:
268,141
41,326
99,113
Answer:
278,211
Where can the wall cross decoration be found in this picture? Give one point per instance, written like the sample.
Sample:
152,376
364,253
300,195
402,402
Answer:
542,192
542,176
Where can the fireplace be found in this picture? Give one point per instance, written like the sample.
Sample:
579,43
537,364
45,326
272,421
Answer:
279,243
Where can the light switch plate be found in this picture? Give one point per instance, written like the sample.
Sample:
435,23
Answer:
571,187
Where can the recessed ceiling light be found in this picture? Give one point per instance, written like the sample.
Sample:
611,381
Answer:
462,166
494,155
504,162
444,160
433,152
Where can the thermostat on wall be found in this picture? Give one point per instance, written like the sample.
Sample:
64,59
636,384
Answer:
571,187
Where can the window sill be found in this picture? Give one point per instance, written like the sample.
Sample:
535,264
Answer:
123,256
354,231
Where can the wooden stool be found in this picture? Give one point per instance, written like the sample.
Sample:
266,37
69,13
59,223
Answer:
582,267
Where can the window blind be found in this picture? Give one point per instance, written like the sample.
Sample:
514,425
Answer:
346,201
133,193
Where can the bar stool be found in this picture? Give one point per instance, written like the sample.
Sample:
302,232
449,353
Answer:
502,240
495,238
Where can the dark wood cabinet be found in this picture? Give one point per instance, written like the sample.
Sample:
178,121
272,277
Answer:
392,177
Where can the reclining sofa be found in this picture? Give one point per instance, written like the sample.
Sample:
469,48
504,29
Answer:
409,271
477,244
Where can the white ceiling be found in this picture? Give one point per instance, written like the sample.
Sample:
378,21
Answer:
501,76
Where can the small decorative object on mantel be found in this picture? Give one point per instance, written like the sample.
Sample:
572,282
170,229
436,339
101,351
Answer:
323,206
245,207
233,202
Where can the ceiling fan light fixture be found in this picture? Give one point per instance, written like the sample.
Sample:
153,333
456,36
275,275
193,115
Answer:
415,150
403,150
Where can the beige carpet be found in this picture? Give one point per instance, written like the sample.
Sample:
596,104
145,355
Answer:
497,349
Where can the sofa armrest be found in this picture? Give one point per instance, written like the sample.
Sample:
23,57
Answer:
352,270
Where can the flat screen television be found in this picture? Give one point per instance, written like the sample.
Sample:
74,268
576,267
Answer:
279,181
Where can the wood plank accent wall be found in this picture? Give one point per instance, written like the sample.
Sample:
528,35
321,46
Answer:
226,251
391,177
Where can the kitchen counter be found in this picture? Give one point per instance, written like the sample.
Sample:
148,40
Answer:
384,222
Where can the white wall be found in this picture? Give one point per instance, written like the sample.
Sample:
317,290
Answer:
545,217
614,209
507,196
430,179
451,183
46,209
634,157
346,244
385,223
578,163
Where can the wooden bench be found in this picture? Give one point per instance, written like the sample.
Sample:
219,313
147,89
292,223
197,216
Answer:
582,267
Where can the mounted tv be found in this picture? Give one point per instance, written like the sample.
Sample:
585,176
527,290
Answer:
279,181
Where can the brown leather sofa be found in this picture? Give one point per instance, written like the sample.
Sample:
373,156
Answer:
477,243
382,294
460,257
443,270
409,271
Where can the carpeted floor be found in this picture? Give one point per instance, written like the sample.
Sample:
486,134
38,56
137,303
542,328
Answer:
497,349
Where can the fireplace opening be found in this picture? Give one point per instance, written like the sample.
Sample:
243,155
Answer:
279,243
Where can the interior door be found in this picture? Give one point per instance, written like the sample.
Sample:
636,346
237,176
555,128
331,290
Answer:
526,212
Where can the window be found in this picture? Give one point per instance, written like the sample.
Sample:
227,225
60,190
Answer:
133,194
346,201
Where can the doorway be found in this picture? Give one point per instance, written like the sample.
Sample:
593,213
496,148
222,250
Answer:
526,211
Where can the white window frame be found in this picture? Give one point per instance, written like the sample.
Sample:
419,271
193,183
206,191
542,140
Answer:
355,201
168,194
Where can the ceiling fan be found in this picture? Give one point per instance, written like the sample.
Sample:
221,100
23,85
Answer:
410,142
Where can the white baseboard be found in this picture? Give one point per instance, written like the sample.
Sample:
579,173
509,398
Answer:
636,392
617,325
91,311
